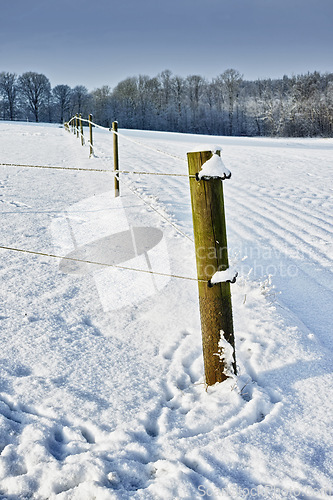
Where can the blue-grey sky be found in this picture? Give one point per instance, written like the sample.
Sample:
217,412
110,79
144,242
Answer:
101,42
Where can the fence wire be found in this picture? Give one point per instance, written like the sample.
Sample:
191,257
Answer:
135,192
130,187
125,137
97,170
126,268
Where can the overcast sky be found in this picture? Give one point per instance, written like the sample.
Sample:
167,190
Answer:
101,42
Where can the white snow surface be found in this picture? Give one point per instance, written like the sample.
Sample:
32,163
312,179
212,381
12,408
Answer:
102,393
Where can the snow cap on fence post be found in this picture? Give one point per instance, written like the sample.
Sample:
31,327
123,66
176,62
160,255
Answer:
214,168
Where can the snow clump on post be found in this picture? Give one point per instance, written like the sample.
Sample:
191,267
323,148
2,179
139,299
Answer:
214,168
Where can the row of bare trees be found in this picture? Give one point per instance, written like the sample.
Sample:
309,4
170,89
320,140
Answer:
30,97
227,105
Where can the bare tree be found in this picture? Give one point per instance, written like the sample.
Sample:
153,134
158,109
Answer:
179,92
102,106
62,98
195,85
231,79
35,89
165,79
80,99
8,89
125,95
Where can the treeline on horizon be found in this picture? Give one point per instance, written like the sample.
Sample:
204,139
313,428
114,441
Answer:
297,106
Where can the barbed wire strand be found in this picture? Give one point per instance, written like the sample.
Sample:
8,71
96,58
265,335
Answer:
155,173
96,170
126,268
55,167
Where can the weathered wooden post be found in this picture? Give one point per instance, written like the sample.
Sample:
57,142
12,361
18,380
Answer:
115,158
77,125
91,137
211,256
81,130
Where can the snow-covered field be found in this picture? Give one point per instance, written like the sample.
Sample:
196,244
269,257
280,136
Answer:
102,393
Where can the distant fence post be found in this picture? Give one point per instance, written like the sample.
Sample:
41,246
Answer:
91,136
77,125
115,158
81,129
211,255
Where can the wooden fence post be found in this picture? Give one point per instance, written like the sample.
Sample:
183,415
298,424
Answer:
77,125
91,136
115,158
81,130
211,255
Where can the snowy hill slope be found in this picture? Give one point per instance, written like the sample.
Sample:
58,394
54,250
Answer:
102,391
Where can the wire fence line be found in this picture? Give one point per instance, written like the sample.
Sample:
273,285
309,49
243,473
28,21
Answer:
73,259
119,134
116,174
56,167
128,185
96,170
142,198
135,191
